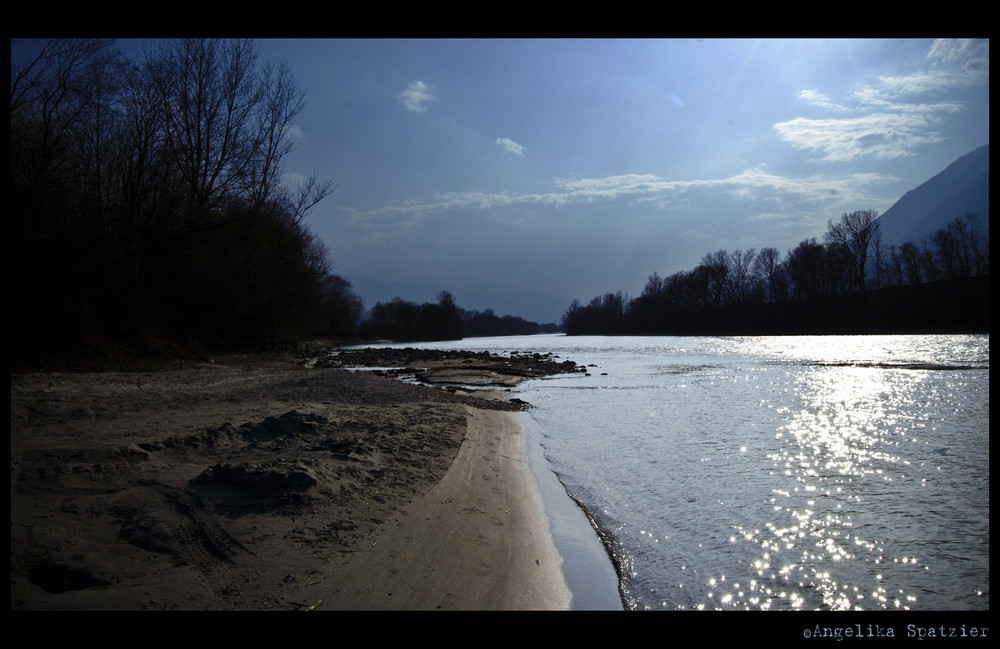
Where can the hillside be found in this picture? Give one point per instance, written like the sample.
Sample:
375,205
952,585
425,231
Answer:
962,188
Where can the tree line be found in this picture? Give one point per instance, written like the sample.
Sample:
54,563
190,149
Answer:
851,282
401,320
149,200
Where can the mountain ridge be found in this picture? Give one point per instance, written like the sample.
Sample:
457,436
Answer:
963,187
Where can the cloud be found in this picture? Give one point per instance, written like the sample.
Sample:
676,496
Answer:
895,115
416,97
908,90
511,147
816,98
662,194
969,55
883,136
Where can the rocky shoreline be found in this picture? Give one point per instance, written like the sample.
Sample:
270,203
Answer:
449,367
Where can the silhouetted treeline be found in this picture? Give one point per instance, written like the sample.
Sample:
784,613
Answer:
487,323
442,320
340,309
851,283
402,320
148,200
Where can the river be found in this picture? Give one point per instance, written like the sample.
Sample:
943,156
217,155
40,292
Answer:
775,473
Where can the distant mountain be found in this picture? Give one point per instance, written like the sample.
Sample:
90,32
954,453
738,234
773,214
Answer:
962,188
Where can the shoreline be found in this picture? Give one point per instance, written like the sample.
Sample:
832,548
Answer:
261,484
478,540
590,567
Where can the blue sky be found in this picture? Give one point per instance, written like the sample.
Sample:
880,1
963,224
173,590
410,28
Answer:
521,174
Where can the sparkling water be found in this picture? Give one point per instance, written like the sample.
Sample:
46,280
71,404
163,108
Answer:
785,472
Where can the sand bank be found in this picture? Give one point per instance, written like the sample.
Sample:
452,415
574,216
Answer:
477,540
253,483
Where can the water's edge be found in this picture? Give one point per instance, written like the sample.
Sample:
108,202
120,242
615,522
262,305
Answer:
589,568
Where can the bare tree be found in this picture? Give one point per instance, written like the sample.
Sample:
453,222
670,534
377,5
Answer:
856,232
980,244
879,252
768,270
715,269
913,271
894,266
974,244
227,125
308,193
740,275
141,189
948,247
210,94
49,98
805,268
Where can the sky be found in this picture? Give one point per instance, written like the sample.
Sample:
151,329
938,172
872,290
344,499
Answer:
522,174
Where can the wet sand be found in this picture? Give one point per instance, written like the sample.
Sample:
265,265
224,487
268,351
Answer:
275,483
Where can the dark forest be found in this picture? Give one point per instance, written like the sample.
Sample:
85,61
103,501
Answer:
849,284
148,205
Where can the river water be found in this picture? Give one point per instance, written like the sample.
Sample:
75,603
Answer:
775,473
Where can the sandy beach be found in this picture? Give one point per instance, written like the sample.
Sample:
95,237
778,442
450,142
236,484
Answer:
276,483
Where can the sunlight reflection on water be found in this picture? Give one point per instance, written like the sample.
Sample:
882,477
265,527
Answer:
840,436
841,452
829,472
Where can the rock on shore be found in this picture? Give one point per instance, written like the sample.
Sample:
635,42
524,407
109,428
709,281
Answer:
450,367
